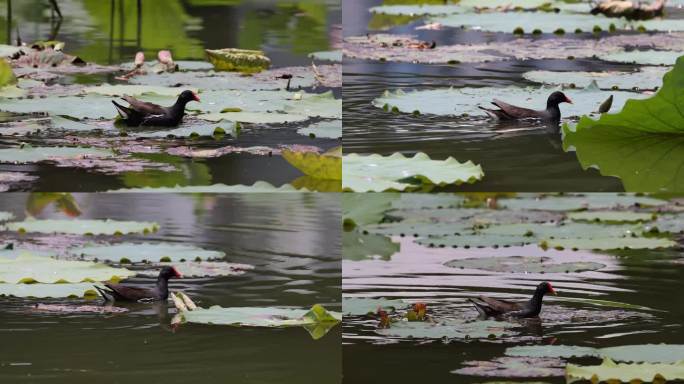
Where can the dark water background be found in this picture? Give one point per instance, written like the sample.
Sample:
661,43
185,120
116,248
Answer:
294,243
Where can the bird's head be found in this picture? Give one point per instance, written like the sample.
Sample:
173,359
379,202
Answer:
546,287
557,98
169,272
188,96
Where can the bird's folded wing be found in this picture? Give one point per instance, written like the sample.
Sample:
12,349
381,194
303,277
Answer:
515,111
131,293
500,305
144,107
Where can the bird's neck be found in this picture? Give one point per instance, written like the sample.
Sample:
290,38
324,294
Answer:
535,304
163,287
179,107
553,110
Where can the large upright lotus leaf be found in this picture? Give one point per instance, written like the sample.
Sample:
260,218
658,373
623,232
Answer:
39,290
326,166
523,264
28,154
190,269
135,90
316,105
450,329
4,216
31,269
333,56
607,243
549,22
359,246
359,306
611,216
139,252
363,209
577,202
647,57
254,117
323,129
475,241
643,144
458,101
376,173
257,187
609,370
82,227
566,230
648,353
88,106
644,78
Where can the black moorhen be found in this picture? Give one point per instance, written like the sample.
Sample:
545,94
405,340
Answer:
489,307
511,112
121,292
144,113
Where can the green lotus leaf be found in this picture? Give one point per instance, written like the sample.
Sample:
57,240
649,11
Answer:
5,216
316,105
229,128
139,252
523,264
326,166
642,144
9,50
465,6
644,78
667,223
81,227
611,216
358,246
458,101
577,202
323,129
409,228
91,106
28,268
607,243
609,370
259,186
359,306
474,217
475,241
566,230
238,60
363,209
201,269
6,74
333,56
414,201
28,154
375,173
254,117
451,329
645,57
513,367
135,90
39,290
648,353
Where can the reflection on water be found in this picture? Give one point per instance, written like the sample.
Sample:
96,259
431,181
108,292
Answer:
292,240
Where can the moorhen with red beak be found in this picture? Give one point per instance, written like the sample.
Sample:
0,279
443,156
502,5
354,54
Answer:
489,307
150,114
511,112
122,292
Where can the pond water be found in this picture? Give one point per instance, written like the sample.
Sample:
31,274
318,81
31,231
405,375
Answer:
294,244
621,298
523,156
111,32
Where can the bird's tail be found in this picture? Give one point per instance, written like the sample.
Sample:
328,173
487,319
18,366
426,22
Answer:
479,307
107,295
123,111
490,112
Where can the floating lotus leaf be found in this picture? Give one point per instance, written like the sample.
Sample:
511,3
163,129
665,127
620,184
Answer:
239,100
139,252
647,57
576,202
193,65
4,216
9,50
228,128
66,308
254,117
134,90
523,264
259,186
82,227
614,216
473,217
358,246
648,353
375,173
667,223
203,269
510,367
475,241
642,144
333,56
28,268
451,329
459,101
238,60
609,370
607,243
423,201
326,166
28,154
323,129
88,106
48,290
644,78
419,229
549,22
465,6
566,230
359,306
358,209
12,91
320,105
